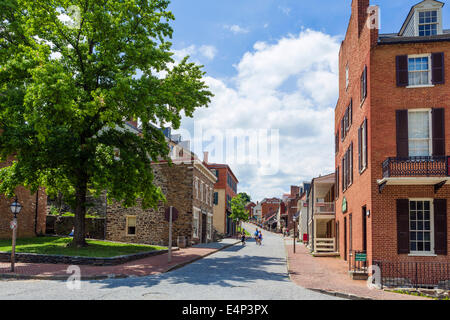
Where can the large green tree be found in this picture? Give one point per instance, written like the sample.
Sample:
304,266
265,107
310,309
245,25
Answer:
238,212
67,88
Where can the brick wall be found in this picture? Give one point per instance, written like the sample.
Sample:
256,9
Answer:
28,224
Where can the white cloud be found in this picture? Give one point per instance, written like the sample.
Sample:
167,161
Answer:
208,52
290,85
285,10
237,29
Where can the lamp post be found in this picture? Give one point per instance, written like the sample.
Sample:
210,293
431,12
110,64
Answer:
295,222
15,209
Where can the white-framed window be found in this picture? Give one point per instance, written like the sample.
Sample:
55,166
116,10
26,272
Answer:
419,133
209,227
201,191
347,81
419,70
195,224
196,188
428,23
131,225
421,226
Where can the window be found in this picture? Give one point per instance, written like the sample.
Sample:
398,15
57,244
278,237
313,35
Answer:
131,225
201,191
428,23
196,188
420,226
216,198
364,85
347,168
419,71
362,146
209,227
195,225
347,120
419,133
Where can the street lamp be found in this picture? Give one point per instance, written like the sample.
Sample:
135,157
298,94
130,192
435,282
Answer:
15,209
295,222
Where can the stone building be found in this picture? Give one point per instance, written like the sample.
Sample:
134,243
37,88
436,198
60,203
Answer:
188,185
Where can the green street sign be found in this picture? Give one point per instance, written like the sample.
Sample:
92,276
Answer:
361,257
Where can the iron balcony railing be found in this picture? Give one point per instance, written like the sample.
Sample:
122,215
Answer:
416,167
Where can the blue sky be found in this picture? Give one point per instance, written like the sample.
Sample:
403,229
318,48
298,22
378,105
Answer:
272,64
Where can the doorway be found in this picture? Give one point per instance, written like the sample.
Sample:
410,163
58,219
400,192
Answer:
345,238
364,228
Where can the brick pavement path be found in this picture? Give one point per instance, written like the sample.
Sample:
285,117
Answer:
330,274
143,267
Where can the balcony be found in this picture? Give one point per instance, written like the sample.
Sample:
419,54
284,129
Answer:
415,167
324,208
415,171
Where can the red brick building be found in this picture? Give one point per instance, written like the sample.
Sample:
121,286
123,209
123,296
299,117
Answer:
225,189
392,126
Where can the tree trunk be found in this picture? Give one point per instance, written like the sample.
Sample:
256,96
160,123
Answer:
80,213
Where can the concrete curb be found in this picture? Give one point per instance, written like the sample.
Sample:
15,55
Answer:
182,264
15,276
330,293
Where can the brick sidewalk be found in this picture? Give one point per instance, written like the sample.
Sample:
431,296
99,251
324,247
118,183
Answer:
330,274
143,267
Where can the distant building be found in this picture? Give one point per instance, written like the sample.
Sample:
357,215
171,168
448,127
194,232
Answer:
225,189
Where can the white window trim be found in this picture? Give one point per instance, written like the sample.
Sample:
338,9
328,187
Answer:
430,69
126,227
196,230
432,250
439,20
430,133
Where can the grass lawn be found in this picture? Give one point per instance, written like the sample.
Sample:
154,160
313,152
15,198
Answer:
57,246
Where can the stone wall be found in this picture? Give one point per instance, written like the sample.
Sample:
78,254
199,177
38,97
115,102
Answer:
151,227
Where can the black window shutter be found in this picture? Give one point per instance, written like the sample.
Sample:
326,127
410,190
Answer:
343,174
365,81
438,129
351,162
360,165
403,226
440,226
366,148
342,130
438,70
402,133
402,71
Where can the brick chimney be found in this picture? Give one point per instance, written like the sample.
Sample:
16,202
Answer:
205,157
359,10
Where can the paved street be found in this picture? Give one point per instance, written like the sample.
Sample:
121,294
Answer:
251,272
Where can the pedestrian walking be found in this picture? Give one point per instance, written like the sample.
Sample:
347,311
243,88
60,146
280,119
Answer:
243,238
256,235
260,238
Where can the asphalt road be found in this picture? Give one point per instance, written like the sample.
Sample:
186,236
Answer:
248,272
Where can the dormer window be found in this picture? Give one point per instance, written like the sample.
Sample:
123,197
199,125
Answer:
424,20
428,23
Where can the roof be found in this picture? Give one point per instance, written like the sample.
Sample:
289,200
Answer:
394,38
